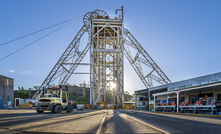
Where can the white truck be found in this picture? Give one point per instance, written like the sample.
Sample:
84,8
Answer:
80,107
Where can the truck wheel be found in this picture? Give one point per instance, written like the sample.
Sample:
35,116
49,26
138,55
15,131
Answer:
38,111
71,110
58,109
53,110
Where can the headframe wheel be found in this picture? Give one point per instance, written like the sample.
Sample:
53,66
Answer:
96,14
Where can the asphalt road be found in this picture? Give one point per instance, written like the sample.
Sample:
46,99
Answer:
173,123
28,121
117,121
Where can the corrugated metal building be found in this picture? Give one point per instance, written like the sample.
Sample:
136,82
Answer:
192,90
7,89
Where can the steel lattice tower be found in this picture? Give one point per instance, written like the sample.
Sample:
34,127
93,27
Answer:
108,42
106,57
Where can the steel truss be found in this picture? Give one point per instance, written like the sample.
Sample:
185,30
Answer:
107,59
108,42
61,71
143,57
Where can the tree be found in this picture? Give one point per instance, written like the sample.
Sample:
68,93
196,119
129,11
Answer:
36,87
23,94
80,95
21,89
83,84
68,84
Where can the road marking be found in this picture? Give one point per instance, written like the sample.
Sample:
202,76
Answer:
144,123
102,123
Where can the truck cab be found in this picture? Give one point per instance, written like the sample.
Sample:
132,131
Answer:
55,100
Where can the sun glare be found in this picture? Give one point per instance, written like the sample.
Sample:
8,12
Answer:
113,85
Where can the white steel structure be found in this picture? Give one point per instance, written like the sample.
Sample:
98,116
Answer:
106,58
108,42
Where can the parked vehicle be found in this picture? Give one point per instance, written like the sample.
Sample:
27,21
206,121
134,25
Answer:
56,100
80,107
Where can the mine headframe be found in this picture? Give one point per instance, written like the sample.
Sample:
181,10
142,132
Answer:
108,42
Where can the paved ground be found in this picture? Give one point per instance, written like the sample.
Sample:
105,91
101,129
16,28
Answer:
28,121
117,121
173,123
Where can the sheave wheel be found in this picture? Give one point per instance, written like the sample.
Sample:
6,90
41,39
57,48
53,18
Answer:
58,109
38,111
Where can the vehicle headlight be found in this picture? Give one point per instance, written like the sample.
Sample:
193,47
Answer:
52,100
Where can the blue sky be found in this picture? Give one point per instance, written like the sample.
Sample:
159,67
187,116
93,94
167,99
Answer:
183,37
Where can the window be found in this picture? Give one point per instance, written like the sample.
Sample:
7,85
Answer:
164,101
7,89
194,98
145,99
219,97
64,97
171,100
152,97
143,103
156,101
141,99
208,94
181,99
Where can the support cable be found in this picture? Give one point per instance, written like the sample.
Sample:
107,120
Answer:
39,39
39,31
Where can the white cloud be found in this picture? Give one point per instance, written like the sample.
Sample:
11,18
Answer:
12,71
29,72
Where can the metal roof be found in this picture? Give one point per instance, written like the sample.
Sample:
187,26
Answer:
6,77
198,81
205,87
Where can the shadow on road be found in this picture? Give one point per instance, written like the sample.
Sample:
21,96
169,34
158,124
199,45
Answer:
35,117
116,124
180,122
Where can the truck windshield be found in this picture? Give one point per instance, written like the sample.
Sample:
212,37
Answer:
53,93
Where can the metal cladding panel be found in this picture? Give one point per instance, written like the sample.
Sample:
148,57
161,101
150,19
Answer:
11,91
1,101
7,95
202,80
1,86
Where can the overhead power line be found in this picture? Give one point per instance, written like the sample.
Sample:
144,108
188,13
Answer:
39,31
76,18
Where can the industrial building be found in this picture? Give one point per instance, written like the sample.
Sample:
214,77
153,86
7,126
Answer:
7,90
187,90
